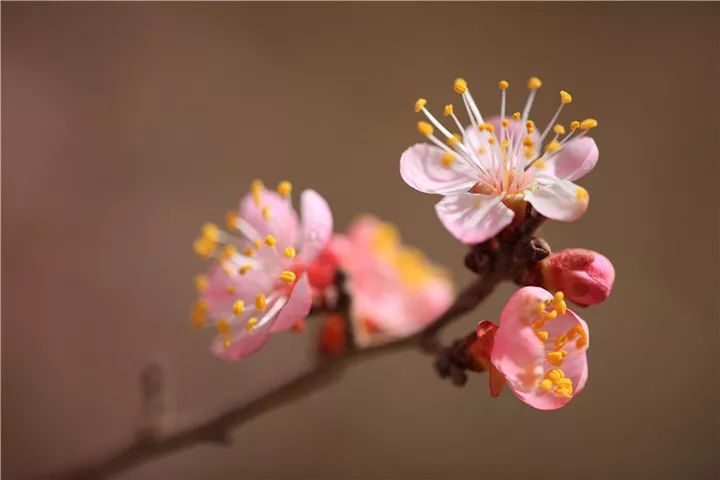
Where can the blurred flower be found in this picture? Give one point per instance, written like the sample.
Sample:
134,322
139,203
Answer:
500,163
586,277
540,348
332,335
256,285
395,290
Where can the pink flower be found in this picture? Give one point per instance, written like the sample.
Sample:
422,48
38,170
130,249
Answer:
395,290
256,286
540,348
487,176
586,277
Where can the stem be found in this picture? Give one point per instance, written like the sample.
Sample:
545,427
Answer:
505,263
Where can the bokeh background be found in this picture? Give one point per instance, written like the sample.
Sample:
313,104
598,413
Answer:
126,126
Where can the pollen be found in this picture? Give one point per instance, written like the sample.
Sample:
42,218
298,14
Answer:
534,83
287,276
211,232
244,268
491,140
503,84
201,283
546,384
588,123
486,127
505,144
266,212
251,324
516,116
547,316
560,341
542,335
270,241
460,86
555,374
565,97
238,307
582,194
425,128
528,142
229,251
229,288
505,122
540,165
248,252
231,219
448,159
257,243
420,104
574,125
284,188
559,129
260,302
223,326
256,189
448,110
555,358
204,247
289,252
198,313
454,140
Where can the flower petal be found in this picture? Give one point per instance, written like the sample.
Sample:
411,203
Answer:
561,200
282,222
317,224
421,167
576,159
473,218
297,307
244,343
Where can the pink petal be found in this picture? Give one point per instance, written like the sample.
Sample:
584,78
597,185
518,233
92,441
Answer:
421,167
561,200
283,221
243,344
297,307
473,218
576,159
220,301
317,224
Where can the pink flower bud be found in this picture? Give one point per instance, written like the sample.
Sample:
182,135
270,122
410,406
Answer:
584,276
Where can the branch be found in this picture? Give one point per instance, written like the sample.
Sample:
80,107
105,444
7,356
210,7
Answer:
494,261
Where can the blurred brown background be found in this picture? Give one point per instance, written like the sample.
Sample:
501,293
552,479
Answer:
126,126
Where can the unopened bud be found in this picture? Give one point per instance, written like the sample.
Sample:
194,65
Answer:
584,276
332,336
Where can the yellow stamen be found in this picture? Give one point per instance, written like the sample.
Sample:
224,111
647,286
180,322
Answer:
528,142
555,374
555,358
289,252
503,85
534,83
201,283
565,97
230,289
238,307
560,341
581,342
204,247
229,251
270,241
564,382
248,252
198,313
231,219
546,385
223,326
574,125
284,188
454,140
552,146
211,232
425,128
420,104
227,269
260,302
486,127
564,392
559,129
448,159
505,122
516,116
540,165
227,341
244,268
588,123
505,144
257,243
540,308
251,324
256,189
491,140
266,213
542,335
582,194
537,324
448,110
460,86
547,316
287,276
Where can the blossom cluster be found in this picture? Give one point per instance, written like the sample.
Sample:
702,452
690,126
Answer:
271,267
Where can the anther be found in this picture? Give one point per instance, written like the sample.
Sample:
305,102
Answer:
553,146
460,86
516,116
582,194
231,219
270,241
260,302
230,288
229,251
244,268
555,358
486,127
251,324
503,84
248,252
546,384
565,97
559,129
211,232
534,83
420,104
223,326
447,159
266,213
284,188
588,123
505,122
542,335
454,140
256,189
574,125
238,307
204,247
448,110
289,252
201,283
425,128
287,276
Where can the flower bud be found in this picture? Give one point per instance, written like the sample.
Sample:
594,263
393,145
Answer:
584,276
321,271
332,336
